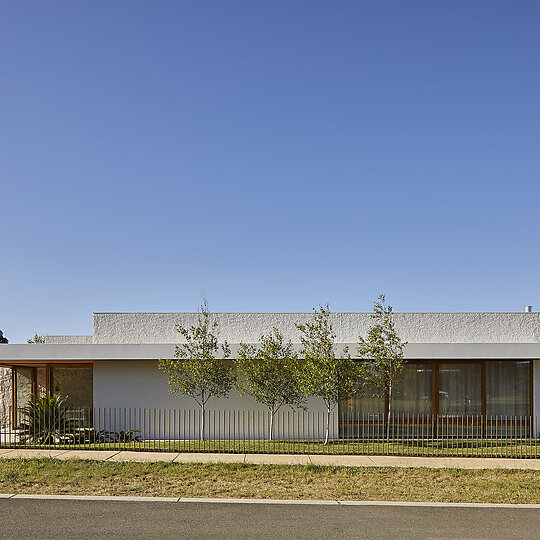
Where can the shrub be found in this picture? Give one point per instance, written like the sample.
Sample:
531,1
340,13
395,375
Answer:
45,420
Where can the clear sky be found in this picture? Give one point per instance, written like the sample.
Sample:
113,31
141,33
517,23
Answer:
271,155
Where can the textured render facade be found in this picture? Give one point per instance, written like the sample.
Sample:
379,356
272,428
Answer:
247,327
5,394
123,350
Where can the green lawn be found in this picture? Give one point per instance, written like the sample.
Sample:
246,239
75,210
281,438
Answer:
437,447
48,476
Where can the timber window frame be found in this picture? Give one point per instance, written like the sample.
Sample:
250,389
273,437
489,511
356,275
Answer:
435,368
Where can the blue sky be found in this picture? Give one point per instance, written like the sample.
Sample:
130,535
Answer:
271,155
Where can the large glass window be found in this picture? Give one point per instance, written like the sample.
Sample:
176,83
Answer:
74,382
25,385
460,388
412,396
414,392
508,388
41,380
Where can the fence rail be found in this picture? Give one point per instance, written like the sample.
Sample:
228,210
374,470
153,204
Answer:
292,432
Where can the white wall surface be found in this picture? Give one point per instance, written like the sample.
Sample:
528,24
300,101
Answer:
536,394
140,384
248,327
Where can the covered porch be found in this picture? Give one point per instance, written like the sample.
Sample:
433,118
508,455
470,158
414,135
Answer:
70,378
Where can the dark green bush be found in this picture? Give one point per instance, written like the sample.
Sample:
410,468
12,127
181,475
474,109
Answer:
45,420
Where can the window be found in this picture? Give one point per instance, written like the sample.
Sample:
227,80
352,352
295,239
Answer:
508,388
460,388
453,388
24,385
74,382
415,391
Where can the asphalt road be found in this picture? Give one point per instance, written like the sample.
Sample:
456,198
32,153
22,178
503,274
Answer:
38,519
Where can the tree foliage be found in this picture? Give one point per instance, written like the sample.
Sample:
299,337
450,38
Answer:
196,370
382,352
270,373
37,339
327,376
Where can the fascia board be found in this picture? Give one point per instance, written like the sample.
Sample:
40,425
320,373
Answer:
413,351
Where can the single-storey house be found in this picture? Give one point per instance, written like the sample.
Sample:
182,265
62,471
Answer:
457,363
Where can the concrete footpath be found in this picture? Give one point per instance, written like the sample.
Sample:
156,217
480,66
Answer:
278,459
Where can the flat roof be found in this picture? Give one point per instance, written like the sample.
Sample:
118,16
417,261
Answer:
11,354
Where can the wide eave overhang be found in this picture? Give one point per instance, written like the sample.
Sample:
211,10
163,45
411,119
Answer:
88,353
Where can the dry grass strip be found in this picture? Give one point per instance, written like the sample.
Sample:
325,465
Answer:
47,476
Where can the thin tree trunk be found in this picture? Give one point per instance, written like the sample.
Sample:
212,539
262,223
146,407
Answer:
201,436
327,425
271,425
389,411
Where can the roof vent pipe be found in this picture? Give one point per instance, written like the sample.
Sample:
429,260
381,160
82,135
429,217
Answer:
528,309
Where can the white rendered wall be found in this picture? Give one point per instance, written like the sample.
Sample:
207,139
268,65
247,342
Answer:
536,394
141,385
248,327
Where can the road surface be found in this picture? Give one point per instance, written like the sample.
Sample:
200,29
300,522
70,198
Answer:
73,519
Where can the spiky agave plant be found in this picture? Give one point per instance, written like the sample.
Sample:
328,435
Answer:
45,420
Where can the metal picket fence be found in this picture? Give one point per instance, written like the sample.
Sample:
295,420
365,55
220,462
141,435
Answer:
293,432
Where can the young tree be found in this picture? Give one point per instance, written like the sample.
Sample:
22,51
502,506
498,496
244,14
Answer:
382,352
270,374
330,377
37,339
196,371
